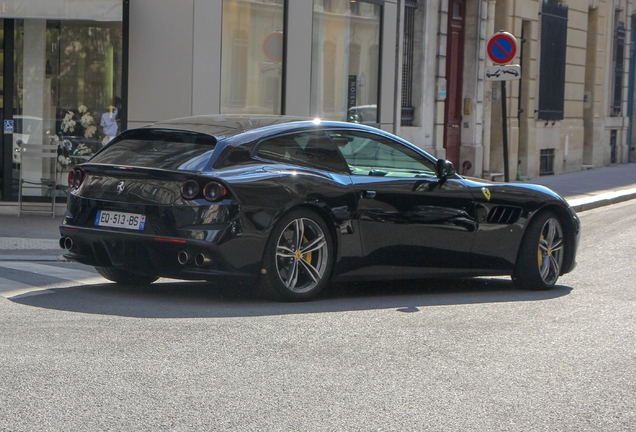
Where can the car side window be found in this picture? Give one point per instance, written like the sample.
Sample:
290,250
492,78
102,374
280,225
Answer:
368,154
314,150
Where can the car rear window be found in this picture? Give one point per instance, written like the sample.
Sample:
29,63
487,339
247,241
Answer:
159,149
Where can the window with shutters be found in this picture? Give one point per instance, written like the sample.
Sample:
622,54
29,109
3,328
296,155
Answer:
407,62
618,62
554,30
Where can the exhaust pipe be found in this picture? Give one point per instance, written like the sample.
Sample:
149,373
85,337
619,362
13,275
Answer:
68,243
183,257
62,242
201,260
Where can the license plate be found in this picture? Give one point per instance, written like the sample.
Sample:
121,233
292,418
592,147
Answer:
120,220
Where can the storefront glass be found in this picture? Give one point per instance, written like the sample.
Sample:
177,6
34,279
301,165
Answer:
345,60
67,92
252,56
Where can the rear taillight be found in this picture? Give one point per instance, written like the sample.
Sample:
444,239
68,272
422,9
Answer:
190,190
76,177
214,191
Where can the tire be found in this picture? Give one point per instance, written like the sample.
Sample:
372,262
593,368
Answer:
298,258
125,278
541,253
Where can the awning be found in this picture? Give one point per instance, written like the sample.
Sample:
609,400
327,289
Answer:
94,10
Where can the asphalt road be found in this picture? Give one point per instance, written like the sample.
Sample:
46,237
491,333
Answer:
440,356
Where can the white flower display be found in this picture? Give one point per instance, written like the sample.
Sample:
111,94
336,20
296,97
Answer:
90,131
87,119
68,124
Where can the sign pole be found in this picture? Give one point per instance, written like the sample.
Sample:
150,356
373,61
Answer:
504,126
502,48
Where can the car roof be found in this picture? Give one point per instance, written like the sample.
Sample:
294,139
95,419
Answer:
238,130
224,126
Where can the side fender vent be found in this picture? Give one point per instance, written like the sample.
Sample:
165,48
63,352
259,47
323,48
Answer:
504,215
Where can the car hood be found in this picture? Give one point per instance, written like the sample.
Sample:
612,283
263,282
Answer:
512,190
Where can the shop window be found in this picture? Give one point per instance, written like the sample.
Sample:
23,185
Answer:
252,56
68,92
346,60
554,30
240,56
329,74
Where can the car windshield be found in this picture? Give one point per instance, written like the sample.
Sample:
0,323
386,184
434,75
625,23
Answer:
159,149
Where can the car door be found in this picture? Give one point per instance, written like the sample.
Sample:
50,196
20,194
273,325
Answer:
410,221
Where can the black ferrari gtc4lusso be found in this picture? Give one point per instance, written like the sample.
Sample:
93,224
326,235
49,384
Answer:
293,203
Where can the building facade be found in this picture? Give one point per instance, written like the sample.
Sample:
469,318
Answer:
323,58
571,109
73,69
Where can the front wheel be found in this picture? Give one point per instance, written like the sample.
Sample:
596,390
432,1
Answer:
298,258
541,254
125,278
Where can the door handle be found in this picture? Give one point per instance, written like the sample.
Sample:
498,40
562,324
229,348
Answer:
453,126
367,194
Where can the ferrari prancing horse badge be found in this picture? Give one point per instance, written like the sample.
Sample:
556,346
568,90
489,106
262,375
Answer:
486,193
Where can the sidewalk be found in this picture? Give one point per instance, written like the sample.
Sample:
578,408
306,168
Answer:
35,238
30,238
589,189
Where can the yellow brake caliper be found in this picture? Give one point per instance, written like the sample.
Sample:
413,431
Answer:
308,254
541,254
298,255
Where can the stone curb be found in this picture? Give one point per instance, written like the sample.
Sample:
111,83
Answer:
601,200
38,258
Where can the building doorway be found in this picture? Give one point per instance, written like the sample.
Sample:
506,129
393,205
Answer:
454,83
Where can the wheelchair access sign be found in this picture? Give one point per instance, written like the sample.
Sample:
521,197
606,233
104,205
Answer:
8,126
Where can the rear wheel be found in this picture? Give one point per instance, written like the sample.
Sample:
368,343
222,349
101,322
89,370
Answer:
541,254
298,258
125,278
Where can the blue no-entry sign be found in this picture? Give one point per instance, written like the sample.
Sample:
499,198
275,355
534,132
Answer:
502,47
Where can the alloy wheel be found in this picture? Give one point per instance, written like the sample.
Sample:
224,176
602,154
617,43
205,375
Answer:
302,255
550,251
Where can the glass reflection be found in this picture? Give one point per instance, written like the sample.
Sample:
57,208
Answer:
345,60
252,56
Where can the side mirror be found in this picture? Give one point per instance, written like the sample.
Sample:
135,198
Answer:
445,168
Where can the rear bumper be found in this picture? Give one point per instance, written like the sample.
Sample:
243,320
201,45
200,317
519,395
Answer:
148,254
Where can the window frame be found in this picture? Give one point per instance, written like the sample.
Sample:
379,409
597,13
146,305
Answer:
425,158
552,60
